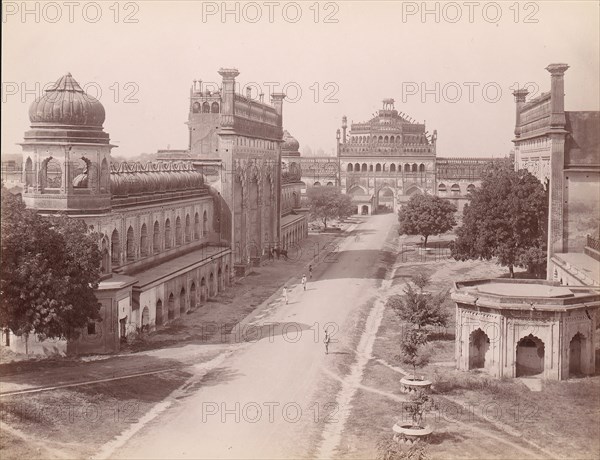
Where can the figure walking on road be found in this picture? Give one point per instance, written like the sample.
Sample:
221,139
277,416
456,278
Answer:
285,294
310,271
326,341
304,281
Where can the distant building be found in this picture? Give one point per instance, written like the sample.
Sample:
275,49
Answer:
457,177
562,149
294,217
386,160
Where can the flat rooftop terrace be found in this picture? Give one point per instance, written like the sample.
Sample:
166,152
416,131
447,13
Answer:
524,294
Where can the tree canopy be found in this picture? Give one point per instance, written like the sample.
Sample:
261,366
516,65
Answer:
505,218
329,203
420,308
50,268
426,215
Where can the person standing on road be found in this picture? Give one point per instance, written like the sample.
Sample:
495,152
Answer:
285,294
304,281
310,271
326,341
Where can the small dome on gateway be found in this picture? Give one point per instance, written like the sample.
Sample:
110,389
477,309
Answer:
290,144
66,103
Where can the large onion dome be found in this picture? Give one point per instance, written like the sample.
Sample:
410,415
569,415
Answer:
65,103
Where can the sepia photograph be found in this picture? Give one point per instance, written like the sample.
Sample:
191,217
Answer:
346,230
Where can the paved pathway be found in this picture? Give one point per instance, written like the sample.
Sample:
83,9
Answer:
262,402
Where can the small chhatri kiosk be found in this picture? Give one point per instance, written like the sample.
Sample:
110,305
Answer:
517,328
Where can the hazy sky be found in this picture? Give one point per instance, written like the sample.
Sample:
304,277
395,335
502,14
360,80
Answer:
142,71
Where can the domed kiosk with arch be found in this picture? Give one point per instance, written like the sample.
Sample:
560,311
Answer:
519,328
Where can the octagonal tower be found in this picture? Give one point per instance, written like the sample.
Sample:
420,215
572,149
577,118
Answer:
66,153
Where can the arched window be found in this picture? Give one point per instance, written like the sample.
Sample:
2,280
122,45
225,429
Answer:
364,167
168,241
53,177
188,229
386,139
392,139
380,139
414,167
455,189
214,108
378,167
370,168
422,167
197,226
203,292
130,244
349,168
193,296
470,188
392,167
196,107
204,223
182,302
171,307
357,167
178,232
159,313
105,261
80,174
206,107
115,248
442,188
406,167
144,241
156,238
317,184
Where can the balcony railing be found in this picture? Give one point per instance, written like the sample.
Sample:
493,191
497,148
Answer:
593,243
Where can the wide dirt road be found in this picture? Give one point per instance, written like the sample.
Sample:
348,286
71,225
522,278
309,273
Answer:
262,400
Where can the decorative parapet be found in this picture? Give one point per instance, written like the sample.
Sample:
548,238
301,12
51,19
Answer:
151,166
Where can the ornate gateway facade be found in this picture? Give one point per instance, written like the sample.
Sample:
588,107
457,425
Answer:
235,142
386,159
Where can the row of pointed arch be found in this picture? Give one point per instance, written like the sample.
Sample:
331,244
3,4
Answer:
164,236
379,167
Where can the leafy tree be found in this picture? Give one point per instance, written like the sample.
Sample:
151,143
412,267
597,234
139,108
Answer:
329,203
418,403
506,218
411,347
420,308
426,215
50,268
